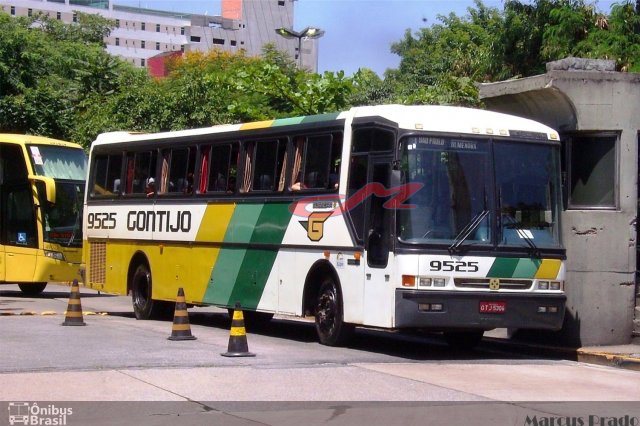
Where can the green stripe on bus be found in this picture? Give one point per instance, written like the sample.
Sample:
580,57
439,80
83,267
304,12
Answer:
258,263
514,268
227,266
503,267
287,121
320,117
224,275
526,268
243,223
240,274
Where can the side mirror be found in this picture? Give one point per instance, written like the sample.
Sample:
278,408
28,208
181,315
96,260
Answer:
46,183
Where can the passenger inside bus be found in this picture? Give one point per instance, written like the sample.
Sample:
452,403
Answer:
150,187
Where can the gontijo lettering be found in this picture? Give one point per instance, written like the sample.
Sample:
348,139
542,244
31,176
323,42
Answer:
159,221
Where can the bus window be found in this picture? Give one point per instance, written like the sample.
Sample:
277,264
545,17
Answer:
19,217
372,140
219,157
177,171
316,162
106,177
321,166
357,181
264,162
12,165
141,171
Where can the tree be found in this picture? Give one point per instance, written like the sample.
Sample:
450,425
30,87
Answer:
490,45
48,70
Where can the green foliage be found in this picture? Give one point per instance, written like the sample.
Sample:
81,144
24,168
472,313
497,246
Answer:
49,70
491,45
57,80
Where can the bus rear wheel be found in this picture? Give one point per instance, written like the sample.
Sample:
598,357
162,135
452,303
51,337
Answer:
144,307
330,325
32,289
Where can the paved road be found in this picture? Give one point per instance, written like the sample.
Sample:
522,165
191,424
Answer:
116,358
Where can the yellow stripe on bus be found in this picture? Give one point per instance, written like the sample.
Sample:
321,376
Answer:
257,125
213,228
549,269
215,222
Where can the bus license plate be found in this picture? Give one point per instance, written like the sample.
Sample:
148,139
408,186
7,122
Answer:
493,307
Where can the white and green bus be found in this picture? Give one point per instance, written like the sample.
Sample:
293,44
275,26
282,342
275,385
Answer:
429,217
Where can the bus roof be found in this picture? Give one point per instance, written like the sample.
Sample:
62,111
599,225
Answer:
38,140
419,117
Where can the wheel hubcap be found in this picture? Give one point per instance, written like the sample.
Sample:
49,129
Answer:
327,311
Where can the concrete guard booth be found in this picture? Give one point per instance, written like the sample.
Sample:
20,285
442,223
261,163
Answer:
596,110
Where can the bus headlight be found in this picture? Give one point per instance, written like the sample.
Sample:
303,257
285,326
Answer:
424,282
54,255
555,285
439,282
543,285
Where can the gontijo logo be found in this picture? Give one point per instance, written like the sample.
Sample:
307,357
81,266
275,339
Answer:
26,413
318,208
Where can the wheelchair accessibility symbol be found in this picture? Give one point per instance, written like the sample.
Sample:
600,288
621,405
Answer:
22,238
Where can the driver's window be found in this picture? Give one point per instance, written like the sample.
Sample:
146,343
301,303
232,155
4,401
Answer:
377,243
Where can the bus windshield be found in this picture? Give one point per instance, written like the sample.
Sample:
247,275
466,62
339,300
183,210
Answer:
528,193
62,219
58,162
457,189
458,202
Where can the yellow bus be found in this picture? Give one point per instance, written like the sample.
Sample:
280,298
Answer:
386,216
42,183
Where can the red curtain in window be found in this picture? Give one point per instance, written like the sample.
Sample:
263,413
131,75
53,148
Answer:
130,174
204,170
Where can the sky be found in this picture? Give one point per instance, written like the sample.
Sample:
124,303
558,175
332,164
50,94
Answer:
358,33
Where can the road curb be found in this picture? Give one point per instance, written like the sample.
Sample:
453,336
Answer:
589,356
609,359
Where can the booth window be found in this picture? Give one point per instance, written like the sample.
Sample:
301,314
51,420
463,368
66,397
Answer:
591,167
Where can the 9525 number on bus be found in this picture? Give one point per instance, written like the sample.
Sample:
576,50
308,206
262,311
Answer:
101,220
453,266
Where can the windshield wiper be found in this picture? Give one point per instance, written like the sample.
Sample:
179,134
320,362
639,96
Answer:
522,233
467,230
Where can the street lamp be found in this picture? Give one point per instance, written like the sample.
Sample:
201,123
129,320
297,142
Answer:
309,32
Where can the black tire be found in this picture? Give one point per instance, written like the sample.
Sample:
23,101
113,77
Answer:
32,289
330,325
144,307
463,340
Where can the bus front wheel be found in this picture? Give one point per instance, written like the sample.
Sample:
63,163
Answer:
330,325
144,307
32,289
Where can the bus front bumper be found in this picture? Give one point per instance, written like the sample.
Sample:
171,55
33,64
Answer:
446,310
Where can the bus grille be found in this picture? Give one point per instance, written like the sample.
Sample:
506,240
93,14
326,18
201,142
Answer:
483,283
97,262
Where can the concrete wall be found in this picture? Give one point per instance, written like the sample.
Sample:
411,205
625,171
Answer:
601,244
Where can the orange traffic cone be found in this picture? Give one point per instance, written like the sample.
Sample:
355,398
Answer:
181,329
238,337
73,315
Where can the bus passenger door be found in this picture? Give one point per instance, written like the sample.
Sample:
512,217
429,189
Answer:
378,286
19,232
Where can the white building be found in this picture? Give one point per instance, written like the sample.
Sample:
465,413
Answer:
141,34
